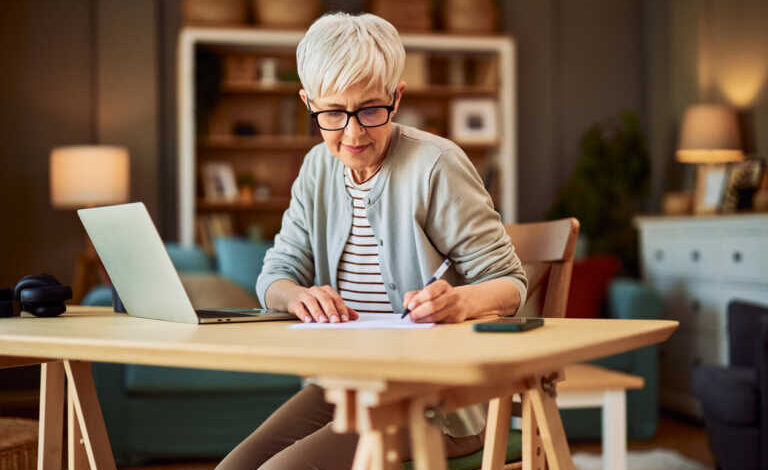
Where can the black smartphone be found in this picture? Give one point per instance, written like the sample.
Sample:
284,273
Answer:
510,325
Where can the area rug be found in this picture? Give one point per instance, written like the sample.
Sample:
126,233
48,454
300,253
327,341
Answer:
658,459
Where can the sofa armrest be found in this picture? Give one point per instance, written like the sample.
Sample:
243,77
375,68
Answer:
629,299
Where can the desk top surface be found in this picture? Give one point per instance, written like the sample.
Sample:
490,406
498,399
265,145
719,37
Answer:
445,354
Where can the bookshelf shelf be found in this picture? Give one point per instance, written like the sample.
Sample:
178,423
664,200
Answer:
261,142
289,142
259,89
433,92
271,204
477,146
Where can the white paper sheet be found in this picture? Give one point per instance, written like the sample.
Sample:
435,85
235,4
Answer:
367,321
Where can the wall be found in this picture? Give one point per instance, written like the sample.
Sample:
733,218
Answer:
705,51
127,91
47,96
74,72
578,64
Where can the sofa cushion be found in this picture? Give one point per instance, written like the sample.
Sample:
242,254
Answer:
240,260
474,460
189,259
728,393
629,299
214,291
153,380
100,295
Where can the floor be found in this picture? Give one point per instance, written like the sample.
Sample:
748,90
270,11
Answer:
676,434
682,436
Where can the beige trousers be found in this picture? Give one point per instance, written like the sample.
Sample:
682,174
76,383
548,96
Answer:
298,436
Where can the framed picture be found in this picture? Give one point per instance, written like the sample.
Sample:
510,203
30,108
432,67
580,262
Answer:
474,121
219,182
742,183
710,182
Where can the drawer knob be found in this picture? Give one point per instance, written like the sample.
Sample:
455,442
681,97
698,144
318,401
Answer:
659,255
736,256
695,306
695,255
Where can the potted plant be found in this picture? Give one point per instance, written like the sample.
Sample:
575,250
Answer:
609,185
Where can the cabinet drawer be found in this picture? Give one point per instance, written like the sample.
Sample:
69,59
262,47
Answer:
757,293
696,304
697,257
658,257
694,348
745,258
705,306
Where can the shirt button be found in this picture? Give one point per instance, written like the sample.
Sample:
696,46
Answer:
381,242
393,286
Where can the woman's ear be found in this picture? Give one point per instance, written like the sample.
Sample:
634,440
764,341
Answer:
400,89
303,96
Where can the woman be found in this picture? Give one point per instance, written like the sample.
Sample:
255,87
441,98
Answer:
375,209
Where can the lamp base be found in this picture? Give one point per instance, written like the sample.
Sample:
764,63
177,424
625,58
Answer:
710,184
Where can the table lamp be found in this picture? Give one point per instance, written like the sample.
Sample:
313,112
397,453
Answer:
88,176
709,135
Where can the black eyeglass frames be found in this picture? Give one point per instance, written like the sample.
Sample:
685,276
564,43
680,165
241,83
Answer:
338,119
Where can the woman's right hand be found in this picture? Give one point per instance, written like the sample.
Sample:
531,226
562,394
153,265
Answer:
320,304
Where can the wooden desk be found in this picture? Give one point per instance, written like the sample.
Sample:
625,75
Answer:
380,380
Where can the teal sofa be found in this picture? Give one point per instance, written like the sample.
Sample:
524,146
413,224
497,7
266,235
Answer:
160,413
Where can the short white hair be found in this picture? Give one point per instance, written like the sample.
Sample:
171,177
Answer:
340,50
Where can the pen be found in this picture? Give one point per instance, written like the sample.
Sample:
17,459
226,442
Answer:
438,274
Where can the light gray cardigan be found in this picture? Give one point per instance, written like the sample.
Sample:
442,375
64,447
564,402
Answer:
428,203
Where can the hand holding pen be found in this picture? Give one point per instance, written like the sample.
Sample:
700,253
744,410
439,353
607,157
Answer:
439,272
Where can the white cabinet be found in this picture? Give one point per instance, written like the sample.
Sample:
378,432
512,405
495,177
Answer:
699,264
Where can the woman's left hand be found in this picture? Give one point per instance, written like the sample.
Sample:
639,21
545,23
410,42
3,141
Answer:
438,302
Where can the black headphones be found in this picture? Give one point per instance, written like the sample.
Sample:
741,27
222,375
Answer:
42,295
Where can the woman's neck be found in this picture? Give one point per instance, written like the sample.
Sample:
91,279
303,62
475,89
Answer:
361,176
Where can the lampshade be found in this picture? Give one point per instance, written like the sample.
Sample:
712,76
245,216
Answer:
709,134
89,175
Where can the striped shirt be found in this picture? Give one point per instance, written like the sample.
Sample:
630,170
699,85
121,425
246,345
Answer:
359,275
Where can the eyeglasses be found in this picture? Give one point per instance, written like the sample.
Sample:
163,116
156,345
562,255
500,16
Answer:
337,119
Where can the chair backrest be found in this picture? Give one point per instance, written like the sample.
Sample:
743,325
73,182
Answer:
548,245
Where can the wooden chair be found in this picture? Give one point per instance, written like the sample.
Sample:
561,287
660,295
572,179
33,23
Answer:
546,249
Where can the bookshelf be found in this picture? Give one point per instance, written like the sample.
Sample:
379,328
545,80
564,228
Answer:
272,148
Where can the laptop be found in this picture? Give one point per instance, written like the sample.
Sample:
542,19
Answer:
142,272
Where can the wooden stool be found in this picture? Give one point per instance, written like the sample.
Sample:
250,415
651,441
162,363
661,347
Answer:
18,444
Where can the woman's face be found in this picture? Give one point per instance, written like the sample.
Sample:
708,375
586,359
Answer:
360,148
